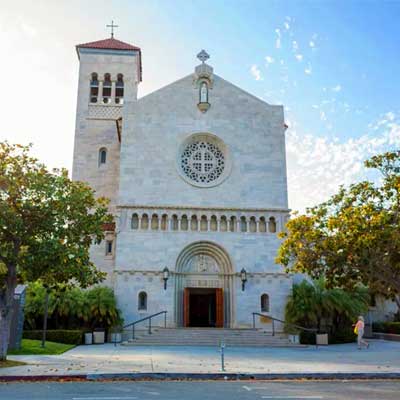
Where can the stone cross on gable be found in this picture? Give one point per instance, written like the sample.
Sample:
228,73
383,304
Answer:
203,56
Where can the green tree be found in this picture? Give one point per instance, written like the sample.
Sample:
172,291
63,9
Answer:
354,237
47,224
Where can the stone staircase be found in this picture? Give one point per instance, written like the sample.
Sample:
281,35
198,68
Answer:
208,337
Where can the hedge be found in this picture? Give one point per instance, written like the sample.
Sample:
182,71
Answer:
56,335
386,327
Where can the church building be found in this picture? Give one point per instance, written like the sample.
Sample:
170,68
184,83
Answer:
196,177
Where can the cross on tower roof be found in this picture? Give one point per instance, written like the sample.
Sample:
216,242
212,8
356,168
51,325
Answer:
203,56
112,26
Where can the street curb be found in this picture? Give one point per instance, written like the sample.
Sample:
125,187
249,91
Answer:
178,376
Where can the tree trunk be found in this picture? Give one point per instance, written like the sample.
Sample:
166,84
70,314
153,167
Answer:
4,333
46,308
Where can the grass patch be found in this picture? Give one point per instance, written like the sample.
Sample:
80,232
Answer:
29,347
11,363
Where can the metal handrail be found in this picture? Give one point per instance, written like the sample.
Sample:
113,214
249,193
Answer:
132,324
283,322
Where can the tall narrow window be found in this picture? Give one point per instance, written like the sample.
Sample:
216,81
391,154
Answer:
135,221
109,247
184,223
174,222
243,224
223,224
154,222
107,89
272,225
142,301
253,224
203,223
102,156
94,88
193,223
213,223
233,224
263,225
264,303
144,223
119,89
164,221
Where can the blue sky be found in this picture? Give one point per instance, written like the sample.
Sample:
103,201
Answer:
333,64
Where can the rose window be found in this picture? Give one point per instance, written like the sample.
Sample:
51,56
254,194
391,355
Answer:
202,162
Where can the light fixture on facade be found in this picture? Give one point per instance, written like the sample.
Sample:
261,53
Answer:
243,277
165,277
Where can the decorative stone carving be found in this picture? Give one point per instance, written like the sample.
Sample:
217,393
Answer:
105,112
203,264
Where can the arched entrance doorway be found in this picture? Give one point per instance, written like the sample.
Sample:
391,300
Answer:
204,286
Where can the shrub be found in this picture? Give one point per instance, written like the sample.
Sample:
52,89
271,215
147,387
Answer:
57,335
72,308
386,327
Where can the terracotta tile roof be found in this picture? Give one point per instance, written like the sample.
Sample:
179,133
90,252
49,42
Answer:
112,44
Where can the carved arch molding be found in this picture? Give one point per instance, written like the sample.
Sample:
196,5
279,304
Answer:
204,264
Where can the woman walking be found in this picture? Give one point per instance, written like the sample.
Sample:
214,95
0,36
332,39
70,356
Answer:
359,330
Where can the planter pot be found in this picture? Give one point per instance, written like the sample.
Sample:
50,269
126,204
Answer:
88,338
98,337
295,339
322,339
116,338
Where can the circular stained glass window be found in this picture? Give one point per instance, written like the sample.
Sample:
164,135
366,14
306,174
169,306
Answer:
203,160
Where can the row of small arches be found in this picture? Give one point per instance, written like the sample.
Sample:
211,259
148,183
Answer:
193,223
106,93
142,302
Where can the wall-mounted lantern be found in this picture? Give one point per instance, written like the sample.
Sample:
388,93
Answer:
165,277
243,278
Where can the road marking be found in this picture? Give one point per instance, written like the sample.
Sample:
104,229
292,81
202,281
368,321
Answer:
104,398
247,388
292,397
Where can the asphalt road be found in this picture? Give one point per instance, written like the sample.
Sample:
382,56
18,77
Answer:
243,390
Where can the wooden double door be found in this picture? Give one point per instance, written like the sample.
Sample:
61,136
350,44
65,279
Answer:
203,307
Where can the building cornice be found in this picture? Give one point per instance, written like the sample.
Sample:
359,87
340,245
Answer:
202,208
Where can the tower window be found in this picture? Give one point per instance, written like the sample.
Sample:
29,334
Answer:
94,88
109,247
102,156
142,301
107,89
119,89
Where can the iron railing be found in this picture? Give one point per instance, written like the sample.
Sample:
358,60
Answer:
133,324
273,319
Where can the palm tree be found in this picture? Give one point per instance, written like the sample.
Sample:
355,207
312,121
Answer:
313,305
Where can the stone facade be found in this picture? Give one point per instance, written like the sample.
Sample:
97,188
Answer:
197,184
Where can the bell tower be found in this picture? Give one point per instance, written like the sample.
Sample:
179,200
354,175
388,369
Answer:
109,74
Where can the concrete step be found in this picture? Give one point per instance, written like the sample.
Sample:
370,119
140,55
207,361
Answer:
208,337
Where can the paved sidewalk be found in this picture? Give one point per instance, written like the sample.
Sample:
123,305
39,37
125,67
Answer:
381,357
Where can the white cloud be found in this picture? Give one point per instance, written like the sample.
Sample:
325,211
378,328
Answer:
295,46
322,116
269,59
256,72
299,57
308,70
286,25
312,44
317,166
337,88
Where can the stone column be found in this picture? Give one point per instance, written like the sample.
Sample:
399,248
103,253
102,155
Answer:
100,93
113,92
